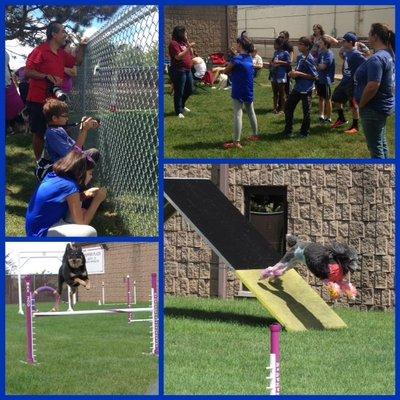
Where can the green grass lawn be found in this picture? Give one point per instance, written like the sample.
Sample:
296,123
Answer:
88,354
210,124
215,346
21,184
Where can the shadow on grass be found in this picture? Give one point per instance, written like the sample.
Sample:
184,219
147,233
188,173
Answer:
219,316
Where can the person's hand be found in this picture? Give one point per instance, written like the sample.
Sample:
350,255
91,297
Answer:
55,80
89,123
101,194
84,42
92,192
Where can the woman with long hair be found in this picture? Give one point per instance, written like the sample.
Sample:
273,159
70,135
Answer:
181,54
318,33
55,209
374,89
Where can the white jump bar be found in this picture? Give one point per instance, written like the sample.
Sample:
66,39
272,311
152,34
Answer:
83,312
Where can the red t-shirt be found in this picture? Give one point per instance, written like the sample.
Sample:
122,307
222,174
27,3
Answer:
43,60
174,49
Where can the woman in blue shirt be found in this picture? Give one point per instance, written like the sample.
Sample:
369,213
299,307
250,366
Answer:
242,76
58,199
374,89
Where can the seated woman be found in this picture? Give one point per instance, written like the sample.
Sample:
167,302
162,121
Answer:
58,199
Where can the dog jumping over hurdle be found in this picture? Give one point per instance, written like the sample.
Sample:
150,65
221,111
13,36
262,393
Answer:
330,263
73,269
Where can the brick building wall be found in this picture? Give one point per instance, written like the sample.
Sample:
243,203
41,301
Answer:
213,29
349,203
138,260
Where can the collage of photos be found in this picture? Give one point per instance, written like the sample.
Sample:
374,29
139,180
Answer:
218,186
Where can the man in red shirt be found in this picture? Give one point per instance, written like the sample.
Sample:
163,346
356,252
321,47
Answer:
45,68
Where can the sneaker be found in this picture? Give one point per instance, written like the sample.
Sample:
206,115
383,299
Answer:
351,131
287,135
321,120
254,138
338,123
180,115
327,121
232,145
186,109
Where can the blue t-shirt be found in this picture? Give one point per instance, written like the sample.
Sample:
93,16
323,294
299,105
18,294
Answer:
49,204
377,68
326,76
58,143
280,73
305,64
242,78
352,60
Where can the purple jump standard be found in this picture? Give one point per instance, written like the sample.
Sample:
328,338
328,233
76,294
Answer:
274,368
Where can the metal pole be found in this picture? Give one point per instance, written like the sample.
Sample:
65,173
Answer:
154,309
128,298
30,335
20,310
103,293
134,292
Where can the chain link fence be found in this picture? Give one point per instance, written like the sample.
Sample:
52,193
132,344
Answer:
118,84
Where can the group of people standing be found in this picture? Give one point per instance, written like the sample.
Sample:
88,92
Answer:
367,82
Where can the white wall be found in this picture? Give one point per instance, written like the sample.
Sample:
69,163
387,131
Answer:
268,21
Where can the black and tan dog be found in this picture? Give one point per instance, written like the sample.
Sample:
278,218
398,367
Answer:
73,269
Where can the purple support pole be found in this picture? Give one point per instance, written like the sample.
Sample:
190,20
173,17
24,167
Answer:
29,321
154,304
129,298
275,349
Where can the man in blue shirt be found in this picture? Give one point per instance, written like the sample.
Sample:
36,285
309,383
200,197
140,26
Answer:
57,141
344,91
326,77
304,75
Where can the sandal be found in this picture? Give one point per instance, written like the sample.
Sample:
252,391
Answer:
232,145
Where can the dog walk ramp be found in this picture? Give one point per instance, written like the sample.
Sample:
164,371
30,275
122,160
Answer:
218,222
292,301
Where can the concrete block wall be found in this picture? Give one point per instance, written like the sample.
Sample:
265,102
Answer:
138,260
212,28
349,203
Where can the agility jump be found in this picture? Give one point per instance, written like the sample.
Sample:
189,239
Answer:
32,313
274,368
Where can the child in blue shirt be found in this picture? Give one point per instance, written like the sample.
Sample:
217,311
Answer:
57,199
343,93
279,74
326,77
57,141
304,75
241,71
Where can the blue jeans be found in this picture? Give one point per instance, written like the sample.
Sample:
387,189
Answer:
183,88
374,126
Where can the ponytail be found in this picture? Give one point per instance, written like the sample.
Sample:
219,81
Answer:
392,40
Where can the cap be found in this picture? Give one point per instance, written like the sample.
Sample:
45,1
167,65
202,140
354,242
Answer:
350,37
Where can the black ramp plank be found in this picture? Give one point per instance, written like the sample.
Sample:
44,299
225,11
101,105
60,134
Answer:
220,223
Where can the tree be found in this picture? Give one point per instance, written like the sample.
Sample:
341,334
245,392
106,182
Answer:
27,23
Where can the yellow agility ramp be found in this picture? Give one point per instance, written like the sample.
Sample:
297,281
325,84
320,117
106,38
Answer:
292,301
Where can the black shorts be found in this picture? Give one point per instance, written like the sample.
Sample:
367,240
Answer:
323,90
343,93
37,121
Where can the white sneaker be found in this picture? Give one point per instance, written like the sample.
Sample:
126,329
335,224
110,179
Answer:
181,115
186,109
